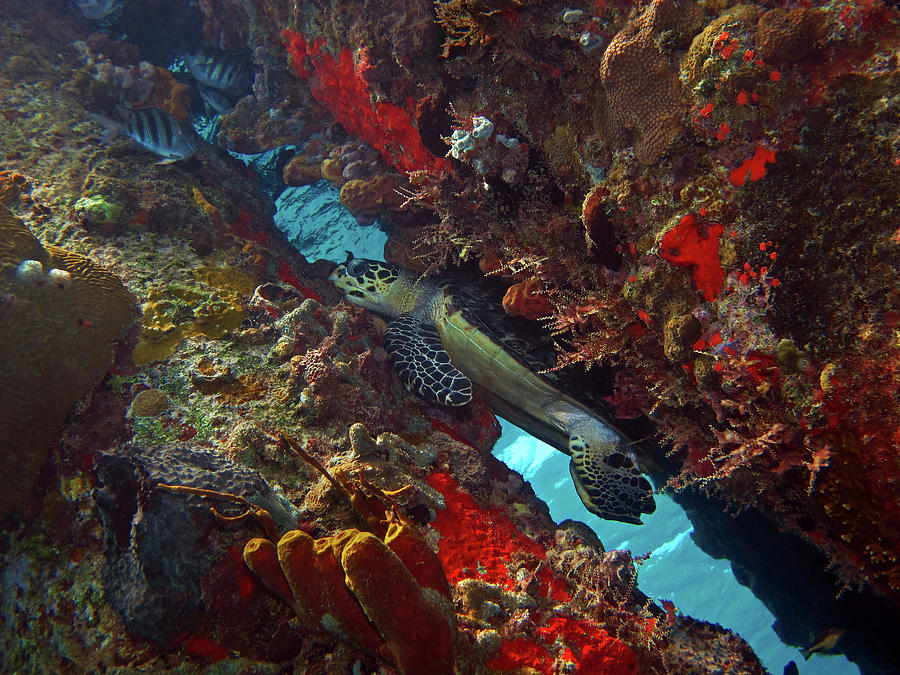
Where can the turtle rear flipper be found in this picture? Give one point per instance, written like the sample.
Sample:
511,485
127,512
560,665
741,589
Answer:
605,473
609,484
422,362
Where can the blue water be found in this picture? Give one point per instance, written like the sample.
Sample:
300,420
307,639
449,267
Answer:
319,227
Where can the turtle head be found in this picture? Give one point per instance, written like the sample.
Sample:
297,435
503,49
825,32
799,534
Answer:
370,283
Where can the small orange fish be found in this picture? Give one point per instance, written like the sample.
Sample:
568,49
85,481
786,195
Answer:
824,642
671,615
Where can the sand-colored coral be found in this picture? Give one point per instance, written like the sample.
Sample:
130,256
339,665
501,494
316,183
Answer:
787,35
149,403
215,217
704,192
176,312
57,343
210,308
12,184
561,149
679,334
640,79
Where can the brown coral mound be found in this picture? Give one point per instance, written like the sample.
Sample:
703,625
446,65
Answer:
701,59
169,94
640,78
301,171
372,196
57,336
789,35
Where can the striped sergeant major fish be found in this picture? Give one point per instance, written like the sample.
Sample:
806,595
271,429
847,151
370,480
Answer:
220,70
154,130
215,100
96,9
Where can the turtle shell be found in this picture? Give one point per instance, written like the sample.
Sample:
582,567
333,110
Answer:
532,345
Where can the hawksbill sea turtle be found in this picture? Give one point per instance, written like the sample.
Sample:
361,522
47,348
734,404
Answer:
443,337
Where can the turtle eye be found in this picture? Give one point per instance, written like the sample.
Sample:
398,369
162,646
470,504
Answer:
357,267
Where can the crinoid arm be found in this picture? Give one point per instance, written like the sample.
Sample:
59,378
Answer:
605,472
422,362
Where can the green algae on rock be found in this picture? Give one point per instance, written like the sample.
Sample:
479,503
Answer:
97,210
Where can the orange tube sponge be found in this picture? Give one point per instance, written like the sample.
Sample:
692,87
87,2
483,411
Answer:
417,633
313,572
261,557
296,555
351,623
410,546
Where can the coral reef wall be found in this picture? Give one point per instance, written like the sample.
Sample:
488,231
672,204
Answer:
698,202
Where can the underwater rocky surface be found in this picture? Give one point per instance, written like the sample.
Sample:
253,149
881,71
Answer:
698,201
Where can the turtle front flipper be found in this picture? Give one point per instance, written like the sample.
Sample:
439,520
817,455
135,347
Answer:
422,362
605,473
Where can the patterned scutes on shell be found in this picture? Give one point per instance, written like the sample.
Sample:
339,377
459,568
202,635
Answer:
57,344
522,338
528,343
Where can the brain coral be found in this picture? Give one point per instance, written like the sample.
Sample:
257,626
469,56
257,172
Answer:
640,78
58,332
787,35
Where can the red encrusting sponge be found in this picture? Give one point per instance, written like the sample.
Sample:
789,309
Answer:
340,86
